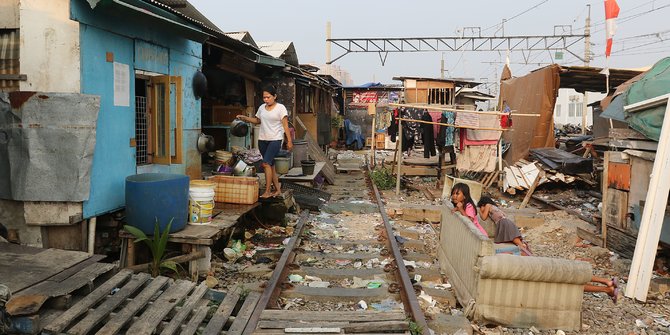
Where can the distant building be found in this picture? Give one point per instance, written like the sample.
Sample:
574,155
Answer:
569,107
342,75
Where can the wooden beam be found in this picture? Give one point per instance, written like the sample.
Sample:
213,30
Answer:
453,125
530,191
399,150
450,108
652,217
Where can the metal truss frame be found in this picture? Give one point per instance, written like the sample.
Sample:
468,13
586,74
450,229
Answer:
383,46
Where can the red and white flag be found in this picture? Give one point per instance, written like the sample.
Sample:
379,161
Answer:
611,13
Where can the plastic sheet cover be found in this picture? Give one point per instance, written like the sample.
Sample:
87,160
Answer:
47,142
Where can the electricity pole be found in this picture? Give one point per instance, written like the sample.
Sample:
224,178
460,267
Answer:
587,61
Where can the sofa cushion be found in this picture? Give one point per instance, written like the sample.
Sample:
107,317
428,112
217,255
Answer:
541,269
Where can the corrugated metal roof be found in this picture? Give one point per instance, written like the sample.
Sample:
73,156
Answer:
186,11
280,49
457,82
242,36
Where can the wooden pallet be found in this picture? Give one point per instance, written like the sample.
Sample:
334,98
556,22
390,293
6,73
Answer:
137,304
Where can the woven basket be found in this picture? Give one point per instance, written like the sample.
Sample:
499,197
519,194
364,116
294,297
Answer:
235,190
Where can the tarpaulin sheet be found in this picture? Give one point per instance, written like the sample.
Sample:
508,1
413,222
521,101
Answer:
563,161
46,145
655,82
534,93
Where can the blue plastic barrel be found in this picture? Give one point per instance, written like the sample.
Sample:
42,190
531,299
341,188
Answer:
162,196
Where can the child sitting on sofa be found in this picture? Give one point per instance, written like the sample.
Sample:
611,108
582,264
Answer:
463,203
506,230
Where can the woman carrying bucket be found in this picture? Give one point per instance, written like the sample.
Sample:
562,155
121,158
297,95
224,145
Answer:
273,119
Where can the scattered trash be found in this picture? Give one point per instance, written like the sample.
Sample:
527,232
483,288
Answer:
285,241
114,290
230,254
362,305
375,284
640,324
534,330
321,284
263,260
427,298
444,286
386,305
211,281
400,239
560,332
417,278
295,278
342,262
660,320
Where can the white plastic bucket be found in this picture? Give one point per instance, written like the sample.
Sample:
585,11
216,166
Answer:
201,202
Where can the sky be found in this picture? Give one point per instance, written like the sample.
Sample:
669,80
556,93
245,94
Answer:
642,36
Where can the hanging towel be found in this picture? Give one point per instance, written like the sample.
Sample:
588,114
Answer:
485,121
477,159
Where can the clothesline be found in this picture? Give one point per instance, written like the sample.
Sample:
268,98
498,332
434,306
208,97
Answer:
452,125
451,109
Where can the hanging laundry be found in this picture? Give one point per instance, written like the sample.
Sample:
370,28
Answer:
392,130
480,158
506,119
428,136
465,119
484,137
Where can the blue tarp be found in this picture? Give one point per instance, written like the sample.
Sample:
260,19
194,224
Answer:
353,134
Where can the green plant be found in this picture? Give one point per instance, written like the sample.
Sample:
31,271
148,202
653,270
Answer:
157,244
383,178
415,329
336,121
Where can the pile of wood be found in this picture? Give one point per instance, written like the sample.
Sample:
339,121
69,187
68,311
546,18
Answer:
523,174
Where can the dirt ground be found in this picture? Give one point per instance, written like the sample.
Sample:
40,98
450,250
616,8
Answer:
557,237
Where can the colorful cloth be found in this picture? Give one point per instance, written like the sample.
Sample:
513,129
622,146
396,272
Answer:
471,213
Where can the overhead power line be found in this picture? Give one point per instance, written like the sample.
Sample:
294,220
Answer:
516,15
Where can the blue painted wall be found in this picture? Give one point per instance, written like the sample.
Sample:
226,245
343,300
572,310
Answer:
144,43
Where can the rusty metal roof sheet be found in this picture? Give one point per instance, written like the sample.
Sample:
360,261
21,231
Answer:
582,78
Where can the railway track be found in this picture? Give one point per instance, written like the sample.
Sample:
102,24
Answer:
326,268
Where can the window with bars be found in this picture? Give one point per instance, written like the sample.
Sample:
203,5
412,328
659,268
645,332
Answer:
9,60
141,131
158,119
439,96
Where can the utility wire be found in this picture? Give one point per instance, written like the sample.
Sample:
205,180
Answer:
517,15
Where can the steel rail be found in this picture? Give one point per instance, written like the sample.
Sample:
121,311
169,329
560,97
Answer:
272,289
407,292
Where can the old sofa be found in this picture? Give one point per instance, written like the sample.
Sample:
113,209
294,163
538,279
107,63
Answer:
509,290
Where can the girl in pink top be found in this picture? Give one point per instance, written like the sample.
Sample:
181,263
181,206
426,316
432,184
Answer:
463,203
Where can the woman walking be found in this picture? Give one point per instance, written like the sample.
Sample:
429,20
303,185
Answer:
273,120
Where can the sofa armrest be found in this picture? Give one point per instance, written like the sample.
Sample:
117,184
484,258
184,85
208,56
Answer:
539,269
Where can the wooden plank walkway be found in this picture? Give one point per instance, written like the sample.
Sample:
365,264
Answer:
137,304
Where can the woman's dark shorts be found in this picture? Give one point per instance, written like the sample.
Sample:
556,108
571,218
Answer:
269,149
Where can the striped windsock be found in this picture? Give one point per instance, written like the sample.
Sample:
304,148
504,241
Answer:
611,13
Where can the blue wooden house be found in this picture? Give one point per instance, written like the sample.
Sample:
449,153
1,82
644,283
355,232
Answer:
131,62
